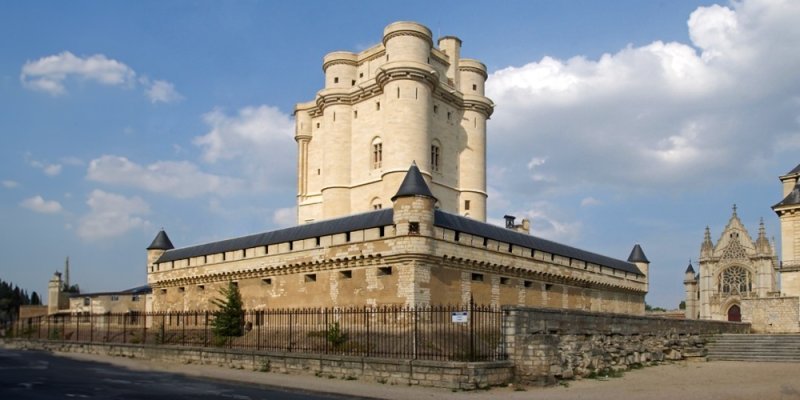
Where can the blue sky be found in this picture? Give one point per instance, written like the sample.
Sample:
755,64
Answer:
616,122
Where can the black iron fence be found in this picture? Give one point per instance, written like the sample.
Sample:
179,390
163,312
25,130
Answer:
453,333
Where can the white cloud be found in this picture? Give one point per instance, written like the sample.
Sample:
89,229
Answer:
9,184
252,129
48,169
256,142
52,169
72,161
40,205
180,179
589,201
284,217
547,222
111,215
663,116
48,74
162,92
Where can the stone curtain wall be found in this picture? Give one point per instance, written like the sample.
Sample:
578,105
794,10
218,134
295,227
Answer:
445,374
546,345
772,315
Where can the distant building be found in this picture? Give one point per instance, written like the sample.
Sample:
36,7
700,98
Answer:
64,298
374,231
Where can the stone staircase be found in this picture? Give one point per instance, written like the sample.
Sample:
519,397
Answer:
755,347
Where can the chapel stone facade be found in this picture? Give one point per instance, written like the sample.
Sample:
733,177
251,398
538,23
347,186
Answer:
738,277
735,269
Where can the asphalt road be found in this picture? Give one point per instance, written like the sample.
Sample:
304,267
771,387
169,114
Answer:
41,375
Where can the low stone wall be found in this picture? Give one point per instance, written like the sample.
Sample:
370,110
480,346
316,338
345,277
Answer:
546,345
772,315
451,375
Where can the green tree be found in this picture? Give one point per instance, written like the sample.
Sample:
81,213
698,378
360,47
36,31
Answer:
229,319
35,300
682,306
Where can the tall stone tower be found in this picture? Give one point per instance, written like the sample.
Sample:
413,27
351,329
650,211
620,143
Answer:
398,102
788,211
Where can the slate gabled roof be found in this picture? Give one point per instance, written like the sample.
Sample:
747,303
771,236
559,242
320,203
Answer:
637,255
384,217
161,242
477,228
792,198
796,170
146,289
413,184
350,223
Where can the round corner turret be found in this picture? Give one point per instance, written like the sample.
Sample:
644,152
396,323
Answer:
473,75
340,69
407,41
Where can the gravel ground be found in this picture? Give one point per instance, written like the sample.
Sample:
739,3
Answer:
675,381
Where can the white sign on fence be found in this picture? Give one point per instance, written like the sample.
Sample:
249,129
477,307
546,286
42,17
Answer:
459,317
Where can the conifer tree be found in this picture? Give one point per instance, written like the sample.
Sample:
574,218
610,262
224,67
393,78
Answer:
229,319
35,300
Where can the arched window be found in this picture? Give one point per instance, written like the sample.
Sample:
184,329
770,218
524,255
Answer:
376,204
735,280
435,151
377,153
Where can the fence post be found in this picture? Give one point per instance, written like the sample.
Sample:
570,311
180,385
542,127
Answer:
416,330
368,313
183,328
163,334
63,327
325,333
471,329
259,322
107,318
144,328
205,332
290,330
91,327
124,329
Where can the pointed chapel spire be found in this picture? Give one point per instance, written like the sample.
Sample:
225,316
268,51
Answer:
413,184
762,243
161,242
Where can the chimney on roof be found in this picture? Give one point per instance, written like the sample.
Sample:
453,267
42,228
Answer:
509,221
524,227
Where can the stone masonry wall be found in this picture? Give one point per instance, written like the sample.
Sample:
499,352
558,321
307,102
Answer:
546,345
445,374
772,315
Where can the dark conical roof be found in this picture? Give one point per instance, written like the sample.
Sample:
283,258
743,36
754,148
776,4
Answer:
792,198
690,269
637,255
161,242
413,184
